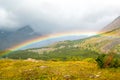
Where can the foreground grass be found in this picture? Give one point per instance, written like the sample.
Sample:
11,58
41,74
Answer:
50,70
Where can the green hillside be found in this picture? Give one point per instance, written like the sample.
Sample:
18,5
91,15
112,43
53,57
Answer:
67,50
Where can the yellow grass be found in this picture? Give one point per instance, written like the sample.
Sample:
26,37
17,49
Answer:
50,70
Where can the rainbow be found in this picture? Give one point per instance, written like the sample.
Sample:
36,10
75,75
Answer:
46,37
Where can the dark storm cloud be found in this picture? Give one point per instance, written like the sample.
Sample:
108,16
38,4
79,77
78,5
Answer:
51,16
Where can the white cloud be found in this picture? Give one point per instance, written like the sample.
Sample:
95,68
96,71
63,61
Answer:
49,16
7,19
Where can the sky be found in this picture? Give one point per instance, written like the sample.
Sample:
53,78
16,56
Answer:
53,16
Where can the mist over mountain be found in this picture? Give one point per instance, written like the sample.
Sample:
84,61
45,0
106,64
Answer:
55,16
103,43
11,38
113,25
108,41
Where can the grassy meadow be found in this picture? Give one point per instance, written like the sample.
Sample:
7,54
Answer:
31,69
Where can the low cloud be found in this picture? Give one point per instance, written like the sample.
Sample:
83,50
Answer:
7,19
52,16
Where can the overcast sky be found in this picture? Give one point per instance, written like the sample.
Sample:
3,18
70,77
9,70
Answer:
51,16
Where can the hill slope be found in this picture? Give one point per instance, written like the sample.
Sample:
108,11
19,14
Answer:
106,42
101,43
113,25
90,47
77,49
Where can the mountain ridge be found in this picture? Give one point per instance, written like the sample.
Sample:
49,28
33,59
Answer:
113,25
11,38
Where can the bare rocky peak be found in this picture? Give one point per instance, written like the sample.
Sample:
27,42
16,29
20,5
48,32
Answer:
113,25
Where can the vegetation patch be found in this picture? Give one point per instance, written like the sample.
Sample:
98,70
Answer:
51,70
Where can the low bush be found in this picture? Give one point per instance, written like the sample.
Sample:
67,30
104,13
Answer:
108,61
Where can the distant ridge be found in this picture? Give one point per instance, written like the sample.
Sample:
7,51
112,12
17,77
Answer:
113,25
8,39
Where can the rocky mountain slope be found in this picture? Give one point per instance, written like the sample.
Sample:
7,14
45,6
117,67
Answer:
113,25
107,41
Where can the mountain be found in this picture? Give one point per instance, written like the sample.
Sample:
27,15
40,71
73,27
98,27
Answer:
106,42
65,60
113,25
11,38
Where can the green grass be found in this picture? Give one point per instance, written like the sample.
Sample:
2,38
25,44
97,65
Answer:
64,54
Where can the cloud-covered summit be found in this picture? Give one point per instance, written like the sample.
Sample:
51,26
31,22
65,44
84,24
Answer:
51,16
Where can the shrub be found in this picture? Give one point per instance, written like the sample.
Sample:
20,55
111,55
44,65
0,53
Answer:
100,60
108,61
115,63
